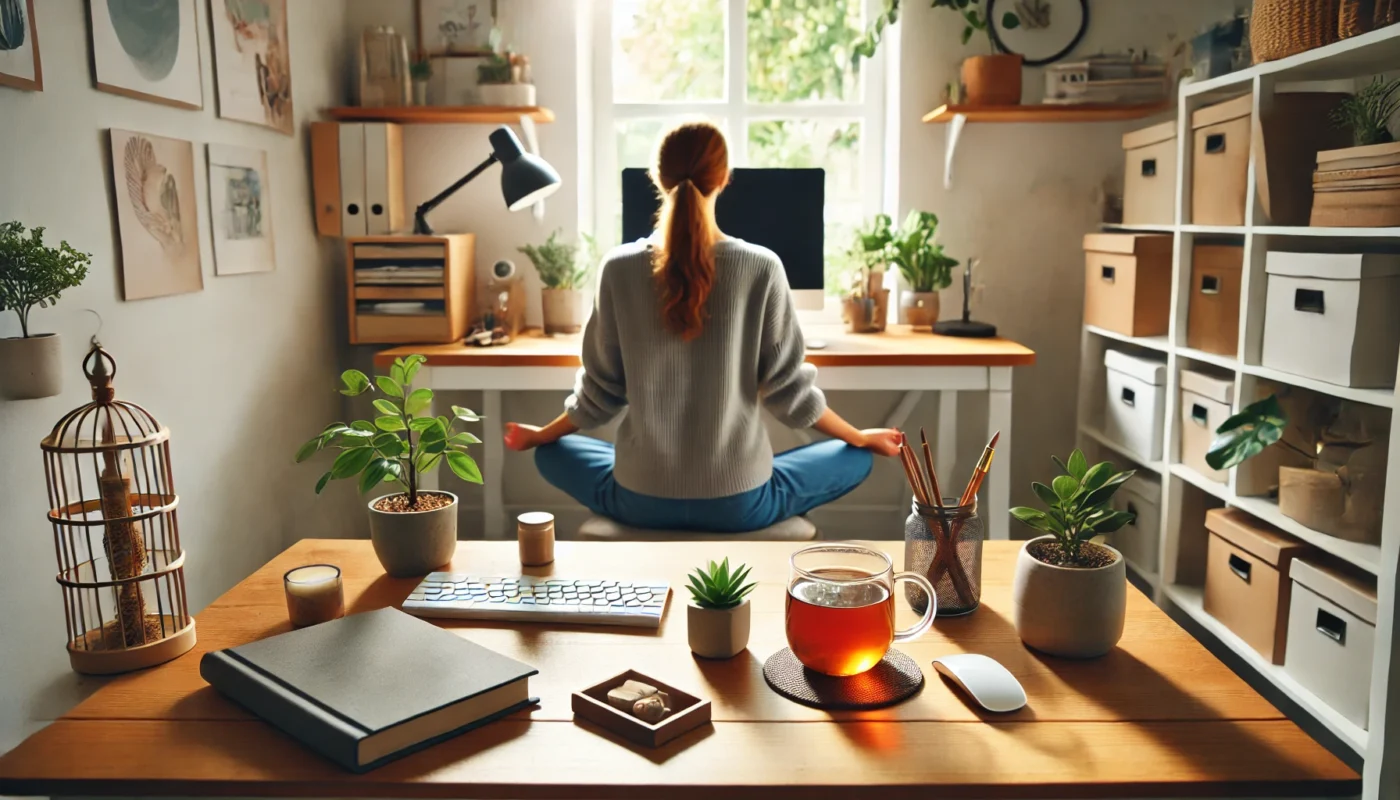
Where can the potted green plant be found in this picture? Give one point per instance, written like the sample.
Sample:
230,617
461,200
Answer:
991,80
920,259
421,71
1069,593
564,275
413,531
1367,113
33,274
718,616
498,82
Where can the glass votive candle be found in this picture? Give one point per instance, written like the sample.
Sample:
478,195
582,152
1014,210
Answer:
535,530
314,594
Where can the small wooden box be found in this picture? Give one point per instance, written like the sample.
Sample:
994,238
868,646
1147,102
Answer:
1357,187
1127,282
1247,588
449,297
1149,175
688,712
1213,312
1220,161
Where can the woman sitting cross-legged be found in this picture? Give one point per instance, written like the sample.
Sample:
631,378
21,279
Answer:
693,333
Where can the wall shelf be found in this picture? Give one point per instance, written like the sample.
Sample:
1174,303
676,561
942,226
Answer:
441,115
1046,112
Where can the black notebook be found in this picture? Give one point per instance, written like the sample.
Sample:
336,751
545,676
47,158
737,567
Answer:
372,687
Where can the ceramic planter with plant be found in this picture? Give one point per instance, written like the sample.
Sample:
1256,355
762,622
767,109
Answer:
413,531
718,617
1367,113
564,277
914,250
33,274
498,80
421,71
1069,594
993,80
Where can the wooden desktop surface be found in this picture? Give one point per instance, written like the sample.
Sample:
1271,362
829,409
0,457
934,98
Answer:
1158,716
899,346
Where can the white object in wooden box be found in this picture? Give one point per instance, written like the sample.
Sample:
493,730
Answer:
1205,404
1334,317
1138,541
1331,637
1149,175
1134,405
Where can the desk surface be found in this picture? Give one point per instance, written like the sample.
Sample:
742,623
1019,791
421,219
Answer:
1158,716
898,347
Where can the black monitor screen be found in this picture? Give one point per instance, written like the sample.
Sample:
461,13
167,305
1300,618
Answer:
780,209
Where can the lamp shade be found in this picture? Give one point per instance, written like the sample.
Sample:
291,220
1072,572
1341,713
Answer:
525,178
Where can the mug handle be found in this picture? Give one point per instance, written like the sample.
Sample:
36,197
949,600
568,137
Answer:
922,625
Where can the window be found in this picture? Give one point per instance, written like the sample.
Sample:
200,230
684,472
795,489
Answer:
775,75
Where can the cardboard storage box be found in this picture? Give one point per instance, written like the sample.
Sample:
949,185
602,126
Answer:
1220,161
1247,588
1133,407
1206,402
1332,636
1138,541
1213,310
1149,182
1334,317
1127,283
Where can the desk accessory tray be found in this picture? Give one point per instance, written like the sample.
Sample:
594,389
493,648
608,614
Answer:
688,712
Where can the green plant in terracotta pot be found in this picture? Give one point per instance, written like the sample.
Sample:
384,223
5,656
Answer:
33,274
990,80
914,250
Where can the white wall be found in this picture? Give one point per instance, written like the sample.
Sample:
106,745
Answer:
241,372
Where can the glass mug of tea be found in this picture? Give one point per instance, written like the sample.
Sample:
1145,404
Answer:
840,607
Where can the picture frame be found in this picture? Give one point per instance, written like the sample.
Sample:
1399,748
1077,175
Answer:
240,210
252,62
157,214
455,27
147,50
20,65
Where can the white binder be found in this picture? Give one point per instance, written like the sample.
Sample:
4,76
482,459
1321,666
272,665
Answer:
383,159
352,180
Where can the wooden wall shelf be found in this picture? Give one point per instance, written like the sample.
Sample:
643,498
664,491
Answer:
1046,113
440,115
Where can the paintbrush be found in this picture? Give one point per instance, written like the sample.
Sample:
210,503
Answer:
979,474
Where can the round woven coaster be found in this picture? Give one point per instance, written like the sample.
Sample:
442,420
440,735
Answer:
897,677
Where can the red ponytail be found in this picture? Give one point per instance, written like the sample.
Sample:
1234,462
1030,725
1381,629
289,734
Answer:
692,165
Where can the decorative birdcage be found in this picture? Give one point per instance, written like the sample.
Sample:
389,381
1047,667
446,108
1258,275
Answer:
112,506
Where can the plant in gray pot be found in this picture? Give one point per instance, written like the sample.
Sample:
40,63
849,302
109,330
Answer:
413,531
718,618
564,277
33,274
1069,593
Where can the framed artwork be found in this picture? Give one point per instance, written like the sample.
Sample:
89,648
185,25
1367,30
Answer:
147,49
240,211
252,66
19,46
455,27
153,180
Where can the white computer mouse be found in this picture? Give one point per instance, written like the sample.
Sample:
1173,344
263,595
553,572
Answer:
984,679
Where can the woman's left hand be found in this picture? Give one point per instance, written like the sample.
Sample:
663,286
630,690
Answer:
523,437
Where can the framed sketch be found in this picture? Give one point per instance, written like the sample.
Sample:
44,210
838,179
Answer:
153,180
240,211
147,49
252,66
455,27
19,46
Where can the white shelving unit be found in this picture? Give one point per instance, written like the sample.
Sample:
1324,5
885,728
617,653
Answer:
1185,493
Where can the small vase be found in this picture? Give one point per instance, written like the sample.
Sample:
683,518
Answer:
414,543
420,92
992,80
920,308
1069,611
31,367
563,310
718,632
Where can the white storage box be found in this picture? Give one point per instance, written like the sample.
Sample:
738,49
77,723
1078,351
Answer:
1205,404
1331,637
1134,405
1334,317
1138,541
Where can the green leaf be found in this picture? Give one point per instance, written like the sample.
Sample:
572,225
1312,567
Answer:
434,432
374,474
389,386
465,414
1045,493
1246,434
420,424
1110,522
1102,494
1065,487
426,462
350,462
361,425
1060,464
418,400
355,382
309,449
411,365
1078,465
464,438
321,484
388,407
1010,21
967,34
354,437
1035,518
388,423
434,446
464,467
396,372
1097,475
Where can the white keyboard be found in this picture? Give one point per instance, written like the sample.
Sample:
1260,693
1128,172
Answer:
526,598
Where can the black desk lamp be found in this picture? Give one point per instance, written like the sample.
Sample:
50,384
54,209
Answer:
525,178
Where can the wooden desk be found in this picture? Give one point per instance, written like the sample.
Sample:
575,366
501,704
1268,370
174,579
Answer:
1157,717
898,360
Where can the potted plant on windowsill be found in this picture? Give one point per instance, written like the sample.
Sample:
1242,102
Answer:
718,616
991,80
1069,594
33,274
564,277
413,531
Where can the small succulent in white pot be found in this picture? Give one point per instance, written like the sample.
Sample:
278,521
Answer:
718,617
1070,594
33,274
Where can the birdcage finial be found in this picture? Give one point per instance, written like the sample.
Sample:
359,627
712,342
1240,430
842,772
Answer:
101,373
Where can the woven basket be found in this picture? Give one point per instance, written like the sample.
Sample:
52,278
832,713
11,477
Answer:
1355,17
1281,28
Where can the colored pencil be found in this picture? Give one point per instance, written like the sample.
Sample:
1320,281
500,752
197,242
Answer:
979,474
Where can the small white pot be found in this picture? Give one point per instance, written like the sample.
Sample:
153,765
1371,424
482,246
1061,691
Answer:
718,632
420,92
414,543
563,310
506,94
31,367
1065,611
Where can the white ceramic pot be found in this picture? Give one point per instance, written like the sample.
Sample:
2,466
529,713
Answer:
920,308
563,310
506,94
718,632
420,92
1065,611
414,543
31,367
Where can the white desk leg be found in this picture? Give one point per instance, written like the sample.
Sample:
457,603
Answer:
493,442
999,419
947,444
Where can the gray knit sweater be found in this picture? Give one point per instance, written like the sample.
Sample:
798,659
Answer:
693,427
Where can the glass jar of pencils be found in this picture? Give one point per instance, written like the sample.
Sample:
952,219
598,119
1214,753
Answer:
945,545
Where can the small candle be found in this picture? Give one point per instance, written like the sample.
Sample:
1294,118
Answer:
314,594
535,530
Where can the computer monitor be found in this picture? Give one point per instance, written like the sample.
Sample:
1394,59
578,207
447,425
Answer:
781,209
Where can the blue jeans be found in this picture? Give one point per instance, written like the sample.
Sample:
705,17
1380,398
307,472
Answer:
803,478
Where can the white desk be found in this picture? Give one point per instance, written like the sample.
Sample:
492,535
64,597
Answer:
898,360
